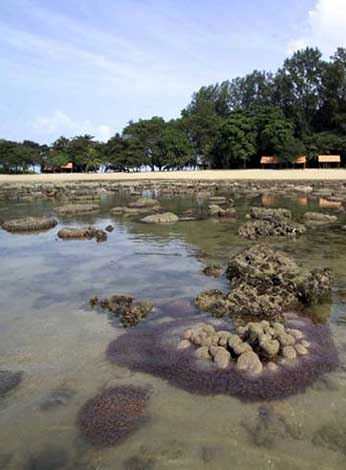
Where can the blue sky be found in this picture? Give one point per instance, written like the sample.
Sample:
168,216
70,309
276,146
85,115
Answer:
69,67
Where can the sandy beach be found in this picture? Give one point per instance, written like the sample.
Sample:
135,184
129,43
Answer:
217,175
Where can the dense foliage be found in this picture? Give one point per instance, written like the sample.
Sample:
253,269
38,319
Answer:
299,110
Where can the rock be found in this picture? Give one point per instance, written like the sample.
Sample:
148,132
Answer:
162,218
123,306
272,367
289,352
241,348
83,233
202,353
271,215
109,228
301,350
214,349
29,224
212,301
213,270
75,209
188,333
262,229
218,200
184,344
270,347
234,340
305,343
222,358
215,210
223,337
143,202
286,339
318,218
296,333
9,380
250,363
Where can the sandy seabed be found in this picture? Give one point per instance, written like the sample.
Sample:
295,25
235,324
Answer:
290,175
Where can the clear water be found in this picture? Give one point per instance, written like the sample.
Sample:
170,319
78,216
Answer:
48,331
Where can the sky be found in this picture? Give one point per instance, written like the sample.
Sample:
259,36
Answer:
70,67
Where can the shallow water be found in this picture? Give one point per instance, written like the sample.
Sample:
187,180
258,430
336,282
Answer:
49,332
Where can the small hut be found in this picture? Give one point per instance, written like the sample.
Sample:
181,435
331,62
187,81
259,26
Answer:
67,167
270,162
325,161
299,160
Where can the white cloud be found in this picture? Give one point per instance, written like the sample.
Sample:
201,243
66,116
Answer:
324,28
59,123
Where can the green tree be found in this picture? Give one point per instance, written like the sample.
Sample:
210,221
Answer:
235,142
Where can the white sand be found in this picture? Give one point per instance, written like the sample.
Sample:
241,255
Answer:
293,175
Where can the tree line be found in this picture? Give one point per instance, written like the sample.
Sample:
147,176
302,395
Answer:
299,110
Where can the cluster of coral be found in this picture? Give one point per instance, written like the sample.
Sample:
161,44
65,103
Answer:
124,307
251,347
264,283
270,223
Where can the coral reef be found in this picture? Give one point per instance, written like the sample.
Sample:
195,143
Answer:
265,283
83,233
123,306
29,224
158,350
113,415
9,380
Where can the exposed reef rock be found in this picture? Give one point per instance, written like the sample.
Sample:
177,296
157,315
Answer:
209,361
214,210
113,415
318,218
29,224
270,223
9,380
161,218
76,209
83,233
264,283
124,307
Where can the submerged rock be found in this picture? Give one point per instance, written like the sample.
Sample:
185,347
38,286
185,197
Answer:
214,270
123,306
29,224
143,202
9,380
162,218
82,233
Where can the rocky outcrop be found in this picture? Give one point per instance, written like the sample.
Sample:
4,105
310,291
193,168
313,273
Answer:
124,307
82,233
161,218
143,202
265,283
270,223
29,224
214,270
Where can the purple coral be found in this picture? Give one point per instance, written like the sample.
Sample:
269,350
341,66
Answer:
112,415
153,350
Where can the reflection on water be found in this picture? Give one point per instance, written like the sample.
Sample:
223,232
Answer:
49,333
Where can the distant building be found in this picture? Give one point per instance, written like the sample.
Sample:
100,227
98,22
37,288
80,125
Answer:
271,162
325,161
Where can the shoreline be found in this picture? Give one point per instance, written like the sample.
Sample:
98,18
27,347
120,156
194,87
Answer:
199,175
